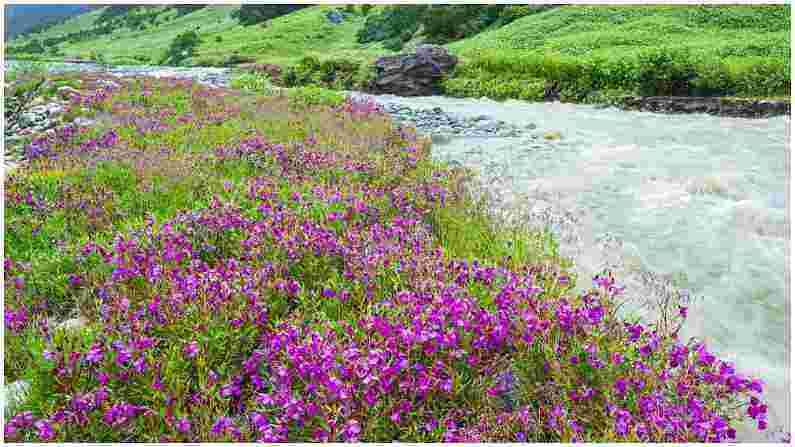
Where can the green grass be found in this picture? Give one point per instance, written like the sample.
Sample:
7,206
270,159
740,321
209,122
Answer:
736,50
283,40
594,30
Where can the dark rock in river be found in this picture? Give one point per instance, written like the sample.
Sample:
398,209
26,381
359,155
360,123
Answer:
415,74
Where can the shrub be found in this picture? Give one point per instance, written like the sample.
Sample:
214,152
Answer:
254,82
331,73
664,71
496,88
33,47
309,96
181,48
443,23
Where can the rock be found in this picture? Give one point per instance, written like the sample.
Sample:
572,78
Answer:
15,394
50,109
530,126
508,133
335,17
415,74
67,92
72,324
482,118
108,83
552,135
486,125
83,122
440,138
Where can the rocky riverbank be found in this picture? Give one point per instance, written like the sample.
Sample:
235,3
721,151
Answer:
438,123
732,107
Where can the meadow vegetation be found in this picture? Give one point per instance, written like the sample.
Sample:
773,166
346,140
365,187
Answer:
573,52
249,264
647,50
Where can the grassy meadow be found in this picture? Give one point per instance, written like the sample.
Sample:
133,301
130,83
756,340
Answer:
283,40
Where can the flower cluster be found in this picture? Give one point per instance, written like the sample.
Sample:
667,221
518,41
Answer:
309,296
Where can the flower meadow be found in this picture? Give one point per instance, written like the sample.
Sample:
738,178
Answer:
263,268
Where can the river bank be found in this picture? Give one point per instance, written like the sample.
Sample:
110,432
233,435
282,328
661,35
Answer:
718,106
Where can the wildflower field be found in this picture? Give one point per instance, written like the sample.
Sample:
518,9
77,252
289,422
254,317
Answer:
218,265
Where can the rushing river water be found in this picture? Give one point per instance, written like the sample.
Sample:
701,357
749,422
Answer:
701,201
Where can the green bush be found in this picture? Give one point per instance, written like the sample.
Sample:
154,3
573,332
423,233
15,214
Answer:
664,71
181,48
309,96
331,73
254,82
391,23
496,88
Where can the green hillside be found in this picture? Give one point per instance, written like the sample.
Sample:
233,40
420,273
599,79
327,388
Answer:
704,49
282,40
579,53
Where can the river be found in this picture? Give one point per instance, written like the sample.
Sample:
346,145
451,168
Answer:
700,201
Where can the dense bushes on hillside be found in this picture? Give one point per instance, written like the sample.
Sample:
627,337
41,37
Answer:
253,14
186,9
181,48
652,71
395,25
34,46
331,73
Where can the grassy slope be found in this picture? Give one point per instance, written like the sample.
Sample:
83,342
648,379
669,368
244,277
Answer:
727,51
284,40
587,30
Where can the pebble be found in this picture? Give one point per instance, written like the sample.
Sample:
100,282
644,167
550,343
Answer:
83,121
436,121
552,136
